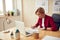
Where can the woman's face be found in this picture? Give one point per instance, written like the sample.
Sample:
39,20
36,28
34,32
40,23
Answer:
40,15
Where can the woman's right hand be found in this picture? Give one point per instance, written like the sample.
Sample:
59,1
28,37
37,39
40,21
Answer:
33,27
49,29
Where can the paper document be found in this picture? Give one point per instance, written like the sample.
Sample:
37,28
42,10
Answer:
50,38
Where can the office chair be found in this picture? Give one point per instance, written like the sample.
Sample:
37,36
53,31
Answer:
56,18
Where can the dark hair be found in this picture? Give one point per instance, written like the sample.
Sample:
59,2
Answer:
40,9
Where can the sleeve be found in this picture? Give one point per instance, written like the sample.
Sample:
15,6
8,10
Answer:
53,25
37,24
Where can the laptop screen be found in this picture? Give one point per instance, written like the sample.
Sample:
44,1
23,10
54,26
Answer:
20,26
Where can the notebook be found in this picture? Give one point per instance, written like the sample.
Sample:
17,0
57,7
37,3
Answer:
50,38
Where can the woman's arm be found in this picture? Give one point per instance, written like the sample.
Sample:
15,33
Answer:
53,25
36,25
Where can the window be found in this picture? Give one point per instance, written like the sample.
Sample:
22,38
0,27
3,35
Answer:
9,5
1,7
5,5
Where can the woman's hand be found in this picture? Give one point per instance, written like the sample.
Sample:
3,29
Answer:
49,29
33,27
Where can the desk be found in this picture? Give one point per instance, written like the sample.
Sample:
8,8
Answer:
6,36
49,33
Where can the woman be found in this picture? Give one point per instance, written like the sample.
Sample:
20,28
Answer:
44,21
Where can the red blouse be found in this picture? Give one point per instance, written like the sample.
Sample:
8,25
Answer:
48,22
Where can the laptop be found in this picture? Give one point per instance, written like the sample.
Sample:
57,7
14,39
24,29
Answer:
20,25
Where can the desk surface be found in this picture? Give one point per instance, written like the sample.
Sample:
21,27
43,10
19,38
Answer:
43,33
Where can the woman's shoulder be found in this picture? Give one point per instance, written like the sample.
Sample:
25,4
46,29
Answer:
49,17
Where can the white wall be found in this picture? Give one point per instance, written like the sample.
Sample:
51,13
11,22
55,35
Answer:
28,12
1,23
8,23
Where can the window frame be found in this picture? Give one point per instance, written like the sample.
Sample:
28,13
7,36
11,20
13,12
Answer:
4,7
